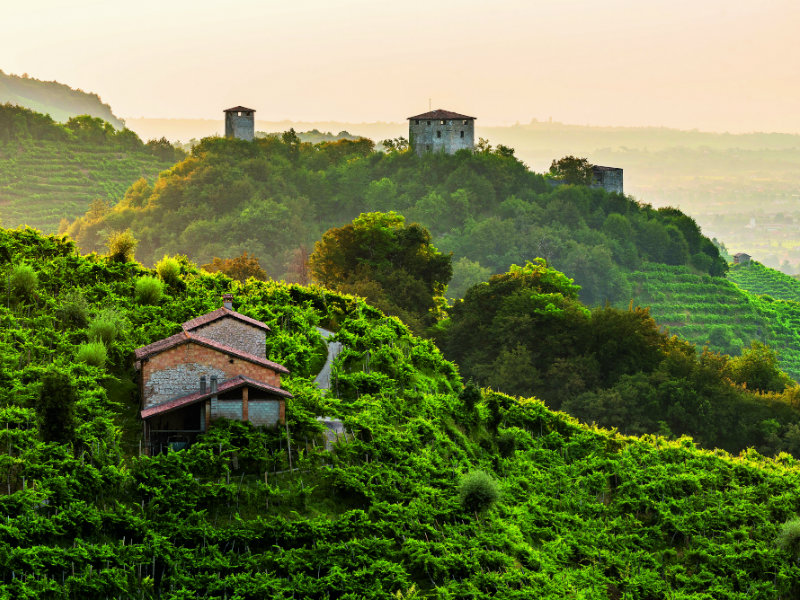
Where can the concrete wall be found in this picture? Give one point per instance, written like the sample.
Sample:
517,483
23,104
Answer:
228,409
264,412
236,334
176,372
240,125
441,136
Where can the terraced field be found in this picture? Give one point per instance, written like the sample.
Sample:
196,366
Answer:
42,182
717,312
758,279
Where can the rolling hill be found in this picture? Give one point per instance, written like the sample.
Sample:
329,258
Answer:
581,512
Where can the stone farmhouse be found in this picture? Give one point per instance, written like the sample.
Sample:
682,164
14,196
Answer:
441,131
215,367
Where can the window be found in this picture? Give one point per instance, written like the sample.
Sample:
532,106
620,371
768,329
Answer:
441,122
462,134
428,123
464,122
416,122
438,134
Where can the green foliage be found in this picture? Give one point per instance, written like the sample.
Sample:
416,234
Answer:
477,491
104,327
55,407
757,369
377,515
789,537
121,246
148,290
571,169
240,268
92,353
169,270
73,310
23,281
394,265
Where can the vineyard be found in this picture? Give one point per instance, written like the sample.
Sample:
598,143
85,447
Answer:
570,511
43,182
760,280
719,313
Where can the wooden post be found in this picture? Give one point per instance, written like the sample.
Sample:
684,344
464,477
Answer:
245,408
208,414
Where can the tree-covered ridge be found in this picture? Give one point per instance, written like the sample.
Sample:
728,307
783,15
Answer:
51,171
580,510
55,99
716,312
273,195
760,280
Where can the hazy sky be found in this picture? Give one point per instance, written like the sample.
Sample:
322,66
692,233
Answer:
724,65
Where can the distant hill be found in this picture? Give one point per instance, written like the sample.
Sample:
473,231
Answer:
51,172
55,99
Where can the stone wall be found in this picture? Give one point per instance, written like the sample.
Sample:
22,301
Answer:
435,135
176,372
264,412
240,125
236,334
608,178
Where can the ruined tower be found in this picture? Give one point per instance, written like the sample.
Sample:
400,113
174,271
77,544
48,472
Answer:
441,131
240,123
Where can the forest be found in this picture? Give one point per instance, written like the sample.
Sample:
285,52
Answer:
278,194
438,490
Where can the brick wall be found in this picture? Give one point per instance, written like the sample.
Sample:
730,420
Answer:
236,334
264,412
177,371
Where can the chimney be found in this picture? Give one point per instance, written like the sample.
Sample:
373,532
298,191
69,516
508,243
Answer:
203,383
227,301
213,384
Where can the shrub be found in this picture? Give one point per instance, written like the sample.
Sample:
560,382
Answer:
477,491
789,537
74,310
55,407
92,353
23,281
104,327
149,290
121,246
169,269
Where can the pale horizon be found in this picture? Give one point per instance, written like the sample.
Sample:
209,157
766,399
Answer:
713,66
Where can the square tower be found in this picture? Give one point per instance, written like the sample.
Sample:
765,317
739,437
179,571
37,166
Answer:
240,123
441,131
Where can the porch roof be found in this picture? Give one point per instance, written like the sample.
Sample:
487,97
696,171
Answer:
226,386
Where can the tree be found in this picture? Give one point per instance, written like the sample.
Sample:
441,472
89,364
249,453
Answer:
406,273
240,268
571,169
55,407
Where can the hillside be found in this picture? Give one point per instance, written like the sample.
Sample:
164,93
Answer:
581,510
275,196
720,313
760,280
55,99
50,172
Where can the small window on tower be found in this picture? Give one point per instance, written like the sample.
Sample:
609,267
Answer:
416,122
441,122
464,122
462,134
428,123
438,134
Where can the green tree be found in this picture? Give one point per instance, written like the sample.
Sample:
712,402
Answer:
571,169
55,407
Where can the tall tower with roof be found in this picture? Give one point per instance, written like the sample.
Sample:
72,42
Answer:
441,131
240,123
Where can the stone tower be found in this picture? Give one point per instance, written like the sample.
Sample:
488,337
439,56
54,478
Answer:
240,123
441,131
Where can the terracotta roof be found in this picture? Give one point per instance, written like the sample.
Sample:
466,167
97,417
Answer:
239,109
226,386
441,114
218,314
185,338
